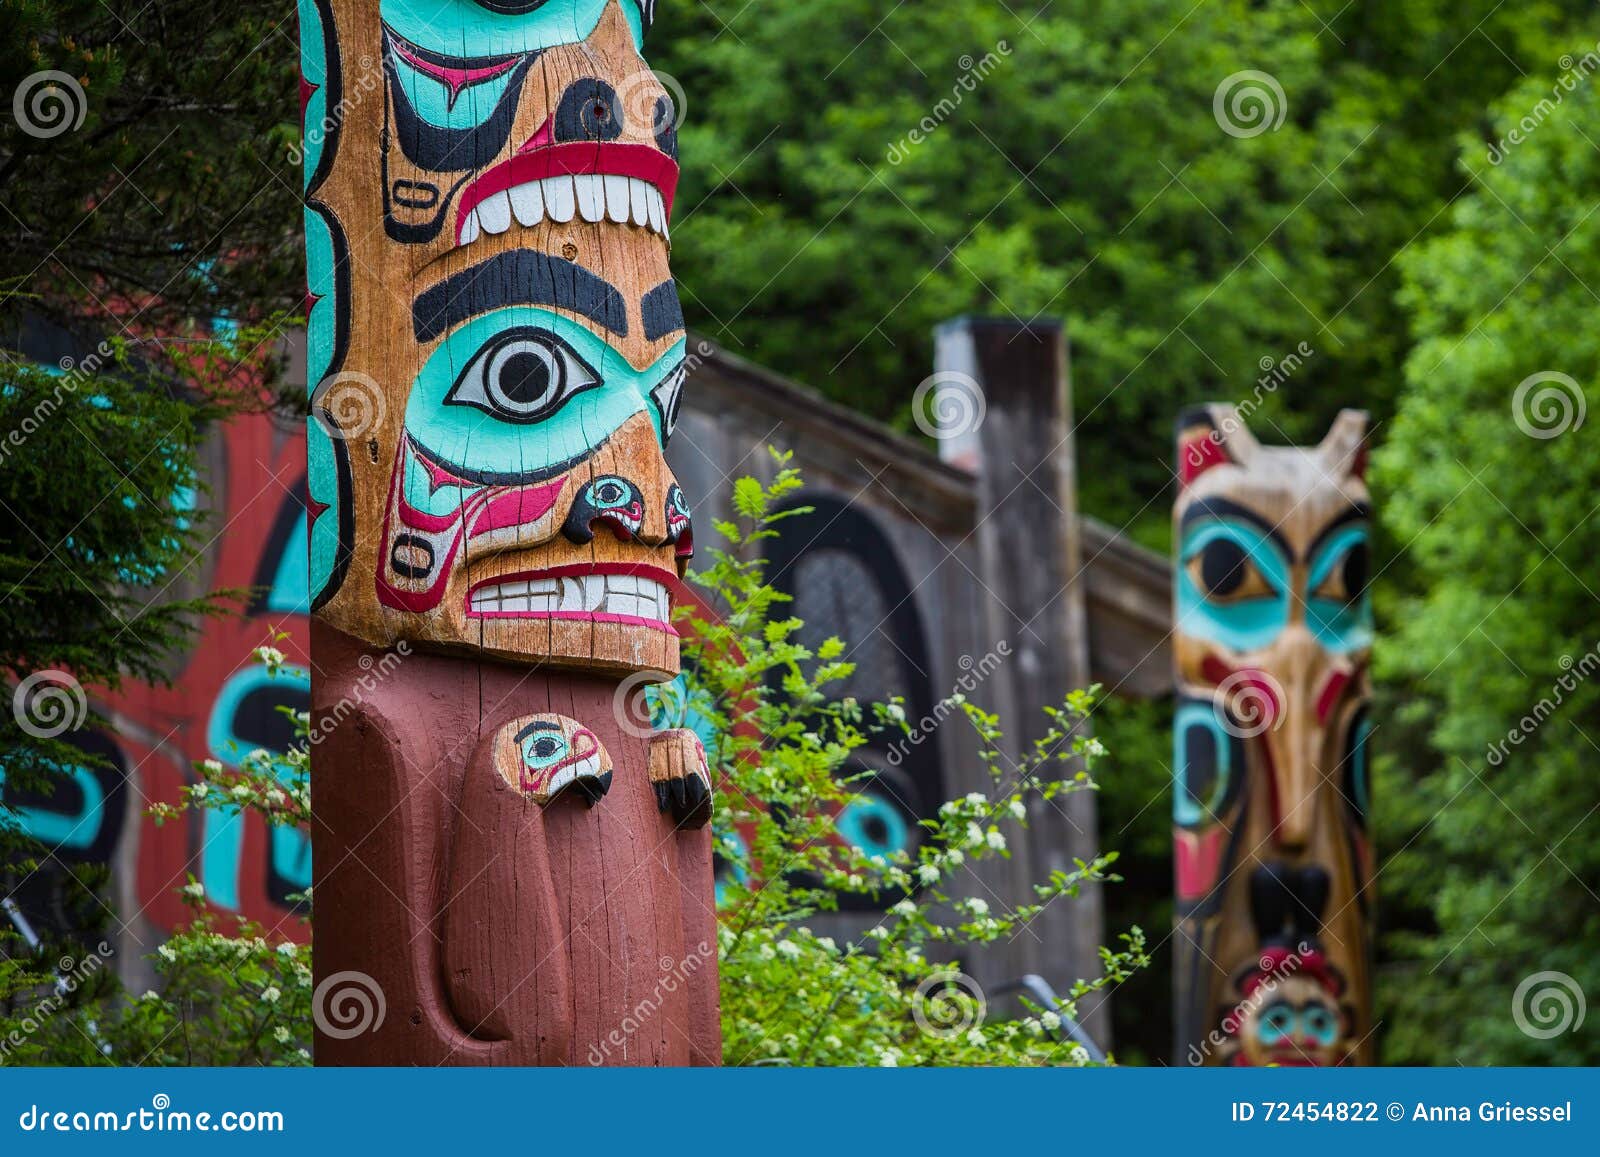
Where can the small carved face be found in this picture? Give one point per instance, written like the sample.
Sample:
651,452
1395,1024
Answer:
1297,1023
542,755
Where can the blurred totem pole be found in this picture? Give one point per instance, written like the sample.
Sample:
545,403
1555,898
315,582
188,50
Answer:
1273,635
509,863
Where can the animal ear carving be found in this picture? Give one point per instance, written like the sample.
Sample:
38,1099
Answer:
1211,435
1343,450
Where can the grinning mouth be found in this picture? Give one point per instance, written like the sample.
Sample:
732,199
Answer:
635,595
596,182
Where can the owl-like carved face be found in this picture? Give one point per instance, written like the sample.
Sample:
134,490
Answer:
496,343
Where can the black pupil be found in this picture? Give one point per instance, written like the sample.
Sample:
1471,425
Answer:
1355,572
544,748
524,378
610,493
1222,567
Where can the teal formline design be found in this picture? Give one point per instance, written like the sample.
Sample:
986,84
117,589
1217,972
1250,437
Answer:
59,830
322,473
443,107
1186,813
1245,624
583,421
463,28
1340,627
222,837
313,72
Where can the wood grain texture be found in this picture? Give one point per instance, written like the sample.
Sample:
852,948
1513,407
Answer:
500,931
1272,645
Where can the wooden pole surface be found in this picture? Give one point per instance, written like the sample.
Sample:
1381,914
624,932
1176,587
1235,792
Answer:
1272,637
509,868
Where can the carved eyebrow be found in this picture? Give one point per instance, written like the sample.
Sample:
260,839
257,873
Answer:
1212,509
1356,512
537,726
661,310
518,277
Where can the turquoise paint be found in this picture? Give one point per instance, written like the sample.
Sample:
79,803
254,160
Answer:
1242,624
468,439
314,70
58,830
322,322
1338,626
290,592
222,835
430,98
462,28
1186,813
852,826
322,483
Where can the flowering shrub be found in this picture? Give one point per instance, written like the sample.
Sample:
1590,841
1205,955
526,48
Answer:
228,996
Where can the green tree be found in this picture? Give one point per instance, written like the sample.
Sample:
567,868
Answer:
1073,164
1488,479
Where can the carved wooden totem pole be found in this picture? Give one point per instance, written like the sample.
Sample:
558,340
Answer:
508,867
1273,635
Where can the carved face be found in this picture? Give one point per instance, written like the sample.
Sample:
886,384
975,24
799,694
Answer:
1295,1023
1273,635
543,755
495,336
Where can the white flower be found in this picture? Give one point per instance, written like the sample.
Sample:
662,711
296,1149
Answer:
270,656
766,952
888,1060
928,874
287,949
895,712
978,906
906,907
977,798
826,944
240,791
1019,809
304,1054
833,1042
975,1038
876,932
789,949
167,953
213,766
197,890
974,835
955,856
150,994
1051,1020
270,994
281,1035
997,841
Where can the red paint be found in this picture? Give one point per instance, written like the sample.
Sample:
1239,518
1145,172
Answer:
1332,689
455,79
515,507
1199,455
579,158
1197,857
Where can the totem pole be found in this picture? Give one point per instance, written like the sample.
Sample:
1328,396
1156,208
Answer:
509,868
1272,639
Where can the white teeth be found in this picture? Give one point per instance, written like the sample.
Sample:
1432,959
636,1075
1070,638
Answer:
594,198
614,594
658,211
559,200
527,202
591,197
495,212
617,198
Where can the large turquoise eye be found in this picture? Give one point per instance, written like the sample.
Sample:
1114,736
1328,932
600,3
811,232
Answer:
522,375
1339,608
875,825
1233,584
1277,1022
